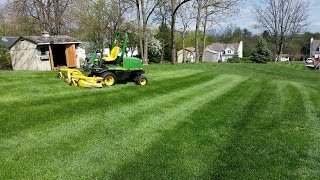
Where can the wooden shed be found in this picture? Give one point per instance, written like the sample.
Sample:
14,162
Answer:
44,52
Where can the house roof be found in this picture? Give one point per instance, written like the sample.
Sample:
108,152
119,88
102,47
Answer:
219,47
43,40
7,41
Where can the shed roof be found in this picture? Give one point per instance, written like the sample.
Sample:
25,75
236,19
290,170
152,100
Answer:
43,40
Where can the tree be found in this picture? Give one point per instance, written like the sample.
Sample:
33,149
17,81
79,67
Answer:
185,16
282,19
162,36
174,8
206,9
145,8
260,53
46,15
5,59
100,20
93,19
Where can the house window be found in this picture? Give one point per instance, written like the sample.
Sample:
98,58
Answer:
229,51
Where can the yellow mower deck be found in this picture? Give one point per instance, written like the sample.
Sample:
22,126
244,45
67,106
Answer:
75,78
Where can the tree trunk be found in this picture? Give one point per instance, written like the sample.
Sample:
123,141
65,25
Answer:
144,33
279,51
204,31
139,30
183,47
145,39
162,51
173,42
197,32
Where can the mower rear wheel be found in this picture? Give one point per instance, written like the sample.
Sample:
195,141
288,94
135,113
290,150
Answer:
109,78
142,80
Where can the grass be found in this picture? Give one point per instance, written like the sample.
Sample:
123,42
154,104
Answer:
193,121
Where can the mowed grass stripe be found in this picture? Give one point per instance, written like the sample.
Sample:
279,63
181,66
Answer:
311,163
106,155
84,113
31,112
270,141
94,147
188,150
34,142
30,84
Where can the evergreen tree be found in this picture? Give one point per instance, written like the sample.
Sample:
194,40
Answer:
163,35
260,53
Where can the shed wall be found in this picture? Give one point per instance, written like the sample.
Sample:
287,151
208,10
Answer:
25,56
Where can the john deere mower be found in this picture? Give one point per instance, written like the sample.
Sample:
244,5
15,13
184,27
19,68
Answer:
110,70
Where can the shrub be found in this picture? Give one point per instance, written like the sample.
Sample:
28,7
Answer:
5,58
234,59
245,59
260,53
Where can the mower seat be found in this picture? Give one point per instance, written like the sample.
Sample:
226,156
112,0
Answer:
113,54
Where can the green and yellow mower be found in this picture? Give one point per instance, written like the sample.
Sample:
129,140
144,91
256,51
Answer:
110,70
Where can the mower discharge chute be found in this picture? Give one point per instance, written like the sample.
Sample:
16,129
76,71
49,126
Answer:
107,71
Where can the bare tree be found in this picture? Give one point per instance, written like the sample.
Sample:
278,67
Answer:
145,8
208,11
100,20
48,14
282,19
162,15
175,5
186,16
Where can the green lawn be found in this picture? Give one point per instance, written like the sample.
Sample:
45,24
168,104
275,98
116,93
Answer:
193,121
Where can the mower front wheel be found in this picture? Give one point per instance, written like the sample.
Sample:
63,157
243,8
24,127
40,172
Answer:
109,78
142,80
60,75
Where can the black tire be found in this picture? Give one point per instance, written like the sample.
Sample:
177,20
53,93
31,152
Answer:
109,78
60,75
141,80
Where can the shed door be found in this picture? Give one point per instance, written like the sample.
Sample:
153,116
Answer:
71,55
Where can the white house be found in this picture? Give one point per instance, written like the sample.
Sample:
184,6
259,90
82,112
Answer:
314,48
189,53
218,52
284,57
45,52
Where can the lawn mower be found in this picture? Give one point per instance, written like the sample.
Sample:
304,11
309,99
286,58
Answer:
107,71
116,68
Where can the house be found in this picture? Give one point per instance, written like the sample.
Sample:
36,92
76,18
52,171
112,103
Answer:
45,52
7,41
218,52
189,53
284,57
314,48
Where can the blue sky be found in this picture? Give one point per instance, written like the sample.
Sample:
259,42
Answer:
245,19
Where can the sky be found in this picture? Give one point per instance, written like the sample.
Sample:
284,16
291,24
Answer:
245,19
